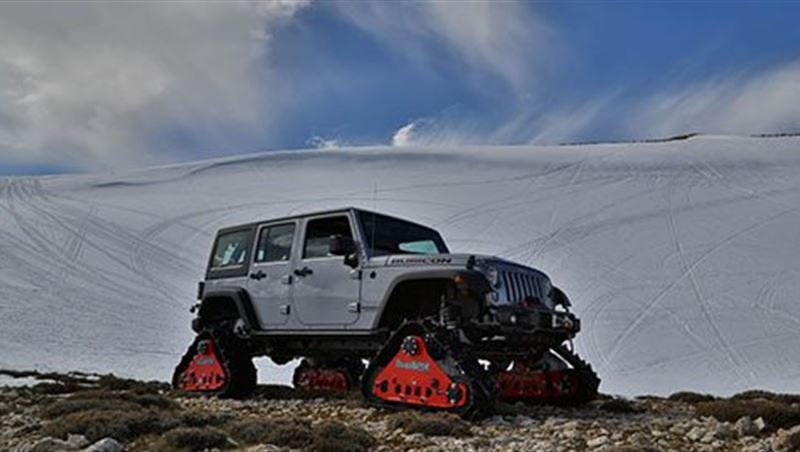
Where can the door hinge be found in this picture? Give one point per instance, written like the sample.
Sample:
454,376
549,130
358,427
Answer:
354,307
285,309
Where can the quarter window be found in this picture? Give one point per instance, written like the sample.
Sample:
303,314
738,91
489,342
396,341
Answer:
275,243
319,232
231,249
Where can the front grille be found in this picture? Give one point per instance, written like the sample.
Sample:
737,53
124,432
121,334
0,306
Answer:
519,285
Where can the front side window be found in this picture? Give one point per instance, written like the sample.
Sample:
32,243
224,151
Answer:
231,249
275,243
319,232
387,235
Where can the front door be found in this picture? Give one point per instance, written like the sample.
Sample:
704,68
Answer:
270,279
326,291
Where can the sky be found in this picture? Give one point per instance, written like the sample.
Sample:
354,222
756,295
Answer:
105,86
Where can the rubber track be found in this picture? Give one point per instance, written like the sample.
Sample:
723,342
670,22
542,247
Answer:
233,355
480,384
589,380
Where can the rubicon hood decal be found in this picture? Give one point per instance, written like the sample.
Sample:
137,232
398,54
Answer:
420,260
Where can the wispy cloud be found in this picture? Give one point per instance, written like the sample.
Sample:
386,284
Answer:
505,40
739,104
104,84
768,101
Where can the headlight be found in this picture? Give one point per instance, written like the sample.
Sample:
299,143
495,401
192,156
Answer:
493,276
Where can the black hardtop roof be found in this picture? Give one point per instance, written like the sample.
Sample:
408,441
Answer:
311,214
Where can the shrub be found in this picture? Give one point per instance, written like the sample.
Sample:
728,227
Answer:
194,439
331,436
70,406
295,434
428,424
125,384
145,400
55,388
195,419
105,400
618,406
120,425
691,397
777,415
756,394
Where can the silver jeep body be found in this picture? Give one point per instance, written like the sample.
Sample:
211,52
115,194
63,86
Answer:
284,282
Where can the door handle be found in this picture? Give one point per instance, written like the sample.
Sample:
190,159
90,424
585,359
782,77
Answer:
258,275
302,272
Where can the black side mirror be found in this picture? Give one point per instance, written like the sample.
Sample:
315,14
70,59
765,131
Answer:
341,245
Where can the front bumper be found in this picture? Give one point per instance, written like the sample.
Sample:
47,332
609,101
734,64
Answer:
513,329
537,320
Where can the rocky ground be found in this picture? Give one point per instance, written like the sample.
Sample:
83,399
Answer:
107,414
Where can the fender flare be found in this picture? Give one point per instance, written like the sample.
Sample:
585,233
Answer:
241,301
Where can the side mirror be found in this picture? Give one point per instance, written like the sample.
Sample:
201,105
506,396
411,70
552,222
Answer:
341,245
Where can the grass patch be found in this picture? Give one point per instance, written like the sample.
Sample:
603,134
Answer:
332,436
295,434
194,439
776,414
690,397
429,424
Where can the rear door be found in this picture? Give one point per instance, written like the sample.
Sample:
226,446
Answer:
326,291
270,280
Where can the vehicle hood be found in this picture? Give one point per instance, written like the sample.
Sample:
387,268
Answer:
459,260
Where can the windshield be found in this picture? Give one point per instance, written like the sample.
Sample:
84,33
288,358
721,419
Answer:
386,235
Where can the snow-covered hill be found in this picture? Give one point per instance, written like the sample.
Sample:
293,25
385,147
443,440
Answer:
681,257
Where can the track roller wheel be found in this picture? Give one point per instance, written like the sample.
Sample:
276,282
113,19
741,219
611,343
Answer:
216,363
559,377
335,376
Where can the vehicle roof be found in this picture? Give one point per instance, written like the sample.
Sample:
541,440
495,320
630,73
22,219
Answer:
310,214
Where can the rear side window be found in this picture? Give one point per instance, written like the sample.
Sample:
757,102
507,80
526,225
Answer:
319,232
275,243
231,250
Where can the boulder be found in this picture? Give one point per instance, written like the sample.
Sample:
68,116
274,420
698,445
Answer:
787,440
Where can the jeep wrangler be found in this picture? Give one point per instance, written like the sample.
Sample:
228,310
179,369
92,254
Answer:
440,331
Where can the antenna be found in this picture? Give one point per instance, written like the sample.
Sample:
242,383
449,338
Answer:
374,216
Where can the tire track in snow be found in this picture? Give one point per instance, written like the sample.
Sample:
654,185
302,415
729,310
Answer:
735,360
653,302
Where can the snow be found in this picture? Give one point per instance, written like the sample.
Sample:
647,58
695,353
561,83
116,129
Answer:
680,257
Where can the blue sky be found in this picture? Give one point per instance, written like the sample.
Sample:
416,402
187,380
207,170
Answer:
101,86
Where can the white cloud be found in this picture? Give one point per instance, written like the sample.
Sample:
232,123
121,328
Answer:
94,84
404,135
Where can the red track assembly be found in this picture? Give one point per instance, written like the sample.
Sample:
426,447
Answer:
205,372
322,379
413,377
546,386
